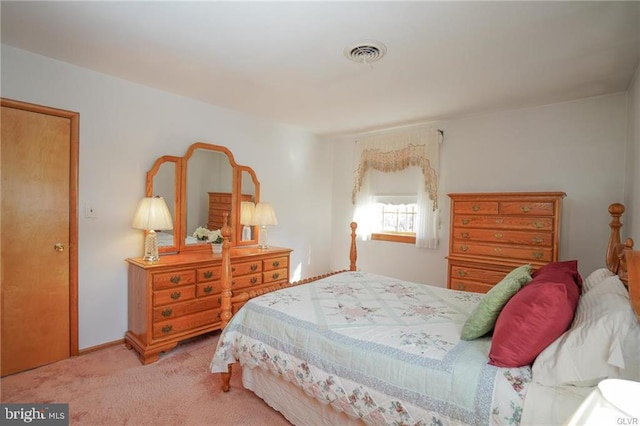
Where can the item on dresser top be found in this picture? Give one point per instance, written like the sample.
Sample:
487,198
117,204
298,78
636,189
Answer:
492,233
152,215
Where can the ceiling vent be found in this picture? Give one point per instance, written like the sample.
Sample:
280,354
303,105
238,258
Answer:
365,51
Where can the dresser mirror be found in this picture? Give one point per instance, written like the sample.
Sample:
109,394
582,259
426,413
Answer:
199,188
162,181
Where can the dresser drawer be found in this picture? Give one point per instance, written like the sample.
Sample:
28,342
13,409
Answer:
246,281
484,276
245,268
173,295
179,309
274,275
476,207
185,323
208,288
532,254
209,274
505,222
475,287
527,208
276,263
542,239
173,279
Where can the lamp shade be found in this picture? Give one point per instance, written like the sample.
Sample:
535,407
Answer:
247,208
264,215
153,214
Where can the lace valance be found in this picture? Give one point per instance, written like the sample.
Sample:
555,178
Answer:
397,151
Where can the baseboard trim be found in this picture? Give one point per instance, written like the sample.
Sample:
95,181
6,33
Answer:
101,346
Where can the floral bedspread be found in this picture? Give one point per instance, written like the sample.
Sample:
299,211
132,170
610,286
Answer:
380,349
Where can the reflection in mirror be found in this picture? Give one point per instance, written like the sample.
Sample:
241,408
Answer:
249,196
209,189
162,181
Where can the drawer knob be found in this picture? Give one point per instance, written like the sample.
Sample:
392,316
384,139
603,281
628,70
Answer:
464,234
276,263
537,224
208,289
208,274
536,240
254,280
475,208
461,286
462,273
175,279
254,267
275,275
167,328
497,250
464,248
175,295
525,209
498,235
167,312
466,221
537,255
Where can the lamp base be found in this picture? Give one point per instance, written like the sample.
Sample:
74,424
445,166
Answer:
263,238
151,247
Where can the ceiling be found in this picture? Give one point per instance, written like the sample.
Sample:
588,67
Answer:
285,61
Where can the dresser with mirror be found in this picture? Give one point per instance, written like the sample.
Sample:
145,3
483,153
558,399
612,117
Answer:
179,296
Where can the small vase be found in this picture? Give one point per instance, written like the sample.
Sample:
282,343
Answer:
216,248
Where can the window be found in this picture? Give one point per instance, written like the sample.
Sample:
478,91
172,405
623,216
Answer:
394,221
404,162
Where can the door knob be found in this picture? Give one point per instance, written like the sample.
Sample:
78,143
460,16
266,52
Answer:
58,247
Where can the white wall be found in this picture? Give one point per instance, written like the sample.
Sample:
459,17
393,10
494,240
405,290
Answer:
632,178
124,127
576,147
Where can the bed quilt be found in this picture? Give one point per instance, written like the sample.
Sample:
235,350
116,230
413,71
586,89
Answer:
379,349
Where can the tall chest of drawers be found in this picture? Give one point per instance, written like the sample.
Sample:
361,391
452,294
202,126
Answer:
179,297
492,233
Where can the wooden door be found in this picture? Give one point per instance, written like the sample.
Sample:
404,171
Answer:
38,243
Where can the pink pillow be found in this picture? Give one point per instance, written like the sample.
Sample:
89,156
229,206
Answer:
535,317
560,272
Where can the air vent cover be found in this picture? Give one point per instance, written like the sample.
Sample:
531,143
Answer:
365,51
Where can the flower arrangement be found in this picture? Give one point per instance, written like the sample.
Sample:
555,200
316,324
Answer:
203,234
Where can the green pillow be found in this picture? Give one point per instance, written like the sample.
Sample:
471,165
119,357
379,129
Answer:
484,316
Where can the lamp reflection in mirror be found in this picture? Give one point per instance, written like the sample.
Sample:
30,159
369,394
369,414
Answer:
152,215
263,216
246,215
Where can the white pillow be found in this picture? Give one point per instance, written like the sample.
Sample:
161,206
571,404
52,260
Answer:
601,342
595,278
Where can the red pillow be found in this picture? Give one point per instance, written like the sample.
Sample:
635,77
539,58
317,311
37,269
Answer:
532,319
560,272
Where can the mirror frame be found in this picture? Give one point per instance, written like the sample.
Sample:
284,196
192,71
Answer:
180,191
176,214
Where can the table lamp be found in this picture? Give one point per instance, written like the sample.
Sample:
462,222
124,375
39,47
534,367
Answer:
264,216
246,215
152,215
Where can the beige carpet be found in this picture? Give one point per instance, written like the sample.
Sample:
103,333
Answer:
111,387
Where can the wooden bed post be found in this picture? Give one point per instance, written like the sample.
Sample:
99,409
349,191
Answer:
615,210
353,253
225,303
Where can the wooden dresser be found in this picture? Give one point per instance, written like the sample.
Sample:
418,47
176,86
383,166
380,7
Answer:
179,296
492,233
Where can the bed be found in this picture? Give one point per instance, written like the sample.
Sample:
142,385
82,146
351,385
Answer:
355,347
